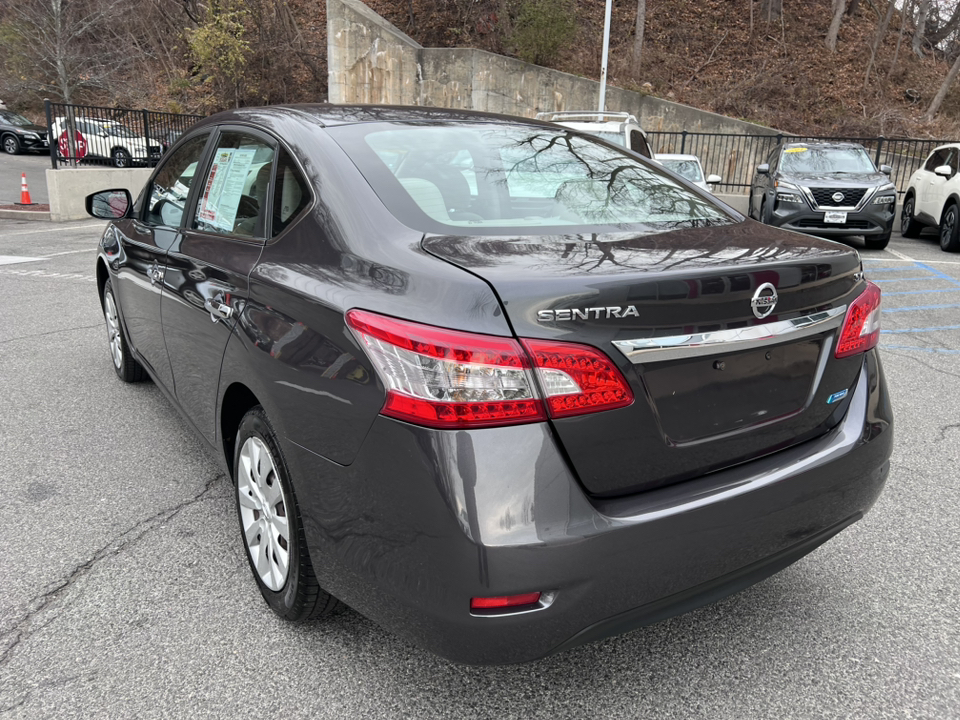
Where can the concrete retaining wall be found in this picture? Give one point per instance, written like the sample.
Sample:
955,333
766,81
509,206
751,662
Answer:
371,61
68,187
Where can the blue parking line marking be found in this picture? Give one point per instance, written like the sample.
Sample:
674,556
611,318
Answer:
887,269
889,280
943,351
920,307
920,330
921,292
939,273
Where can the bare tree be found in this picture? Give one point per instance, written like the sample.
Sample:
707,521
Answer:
771,10
67,46
838,8
878,39
918,33
946,28
638,36
942,92
906,10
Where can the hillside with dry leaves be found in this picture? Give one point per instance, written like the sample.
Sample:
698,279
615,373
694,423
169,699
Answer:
202,56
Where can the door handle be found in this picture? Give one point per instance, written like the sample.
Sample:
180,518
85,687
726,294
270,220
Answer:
156,274
218,310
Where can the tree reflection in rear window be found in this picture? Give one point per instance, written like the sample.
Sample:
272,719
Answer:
479,179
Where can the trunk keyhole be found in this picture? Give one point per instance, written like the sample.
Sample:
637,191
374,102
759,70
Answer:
769,354
719,365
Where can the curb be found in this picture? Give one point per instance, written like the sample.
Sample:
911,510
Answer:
25,215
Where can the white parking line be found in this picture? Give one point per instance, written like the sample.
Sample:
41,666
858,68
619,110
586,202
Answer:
72,252
899,255
14,259
50,230
47,274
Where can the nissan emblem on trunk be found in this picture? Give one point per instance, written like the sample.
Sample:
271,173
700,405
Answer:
764,300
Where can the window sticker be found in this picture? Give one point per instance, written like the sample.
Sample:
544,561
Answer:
793,150
224,188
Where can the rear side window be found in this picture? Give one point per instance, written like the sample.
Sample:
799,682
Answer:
639,145
290,193
233,199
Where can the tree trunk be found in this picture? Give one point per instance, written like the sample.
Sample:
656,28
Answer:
878,40
921,27
907,9
638,36
854,4
771,10
942,92
831,41
948,27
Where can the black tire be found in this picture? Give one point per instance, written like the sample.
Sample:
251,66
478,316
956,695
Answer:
11,144
299,597
124,364
763,211
120,158
950,229
909,227
877,242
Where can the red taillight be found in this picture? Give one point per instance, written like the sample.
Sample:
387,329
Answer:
861,327
451,379
505,601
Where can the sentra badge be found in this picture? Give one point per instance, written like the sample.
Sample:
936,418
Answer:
591,313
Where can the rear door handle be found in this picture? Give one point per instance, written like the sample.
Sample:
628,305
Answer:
218,310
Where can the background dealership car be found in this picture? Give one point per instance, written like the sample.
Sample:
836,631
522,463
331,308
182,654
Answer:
500,418
831,189
689,168
18,134
112,141
932,198
619,128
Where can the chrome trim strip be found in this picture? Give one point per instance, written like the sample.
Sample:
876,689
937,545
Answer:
675,347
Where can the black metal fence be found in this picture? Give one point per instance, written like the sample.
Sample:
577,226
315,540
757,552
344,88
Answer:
735,157
121,137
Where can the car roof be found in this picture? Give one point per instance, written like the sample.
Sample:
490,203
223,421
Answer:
675,156
327,115
824,144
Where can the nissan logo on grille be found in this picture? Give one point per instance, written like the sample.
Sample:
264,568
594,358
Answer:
837,197
764,300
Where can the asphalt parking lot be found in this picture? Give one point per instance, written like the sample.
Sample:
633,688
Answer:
125,592
34,165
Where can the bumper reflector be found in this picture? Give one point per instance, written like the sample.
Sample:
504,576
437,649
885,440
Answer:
504,601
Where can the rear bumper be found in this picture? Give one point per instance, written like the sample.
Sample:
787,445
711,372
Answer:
424,520
871,220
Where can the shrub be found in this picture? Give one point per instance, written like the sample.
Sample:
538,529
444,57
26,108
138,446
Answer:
542,27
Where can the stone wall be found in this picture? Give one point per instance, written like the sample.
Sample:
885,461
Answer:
68,187
371,61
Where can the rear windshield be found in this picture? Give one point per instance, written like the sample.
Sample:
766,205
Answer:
481,179
689,169
826,160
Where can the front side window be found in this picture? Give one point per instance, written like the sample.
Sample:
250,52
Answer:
233,199
827,160
14,119
167,193
486,178
689,169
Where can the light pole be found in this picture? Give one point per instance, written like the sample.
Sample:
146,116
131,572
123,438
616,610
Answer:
603,62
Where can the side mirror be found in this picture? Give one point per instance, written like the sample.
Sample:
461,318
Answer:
109,204
943,170
713,179
763,169
886,169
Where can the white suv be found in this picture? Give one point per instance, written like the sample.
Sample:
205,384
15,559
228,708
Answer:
111,140
933,198
619,128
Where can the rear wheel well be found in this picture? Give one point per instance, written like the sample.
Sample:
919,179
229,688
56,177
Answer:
237,401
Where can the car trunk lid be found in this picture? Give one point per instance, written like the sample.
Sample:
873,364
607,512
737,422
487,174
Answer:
714,383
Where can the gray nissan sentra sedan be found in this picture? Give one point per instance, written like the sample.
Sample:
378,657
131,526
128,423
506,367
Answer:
501,387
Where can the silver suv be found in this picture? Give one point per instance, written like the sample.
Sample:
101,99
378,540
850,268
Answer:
933,198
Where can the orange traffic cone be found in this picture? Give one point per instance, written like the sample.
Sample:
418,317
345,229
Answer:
24,191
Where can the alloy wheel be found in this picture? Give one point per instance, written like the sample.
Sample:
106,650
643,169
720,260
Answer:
948,226
10,145
113,329
263,513
906,215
